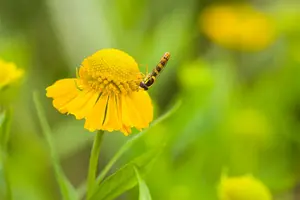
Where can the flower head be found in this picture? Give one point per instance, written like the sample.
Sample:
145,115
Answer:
106,93
239,26
243,188
9,73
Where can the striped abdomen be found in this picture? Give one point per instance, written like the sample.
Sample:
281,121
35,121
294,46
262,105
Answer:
150,78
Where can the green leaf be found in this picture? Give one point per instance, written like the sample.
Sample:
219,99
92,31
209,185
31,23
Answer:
5,120
125,178
67,190
144,191
2,117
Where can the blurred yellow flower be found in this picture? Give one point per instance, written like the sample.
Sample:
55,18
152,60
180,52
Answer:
243,188
106,93
9,73
239,26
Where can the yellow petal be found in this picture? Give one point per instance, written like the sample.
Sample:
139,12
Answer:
62,87
112,121
137,110
143,105
62,92
87,107
126,130
130,115
61,101
82,104
119,107
96,117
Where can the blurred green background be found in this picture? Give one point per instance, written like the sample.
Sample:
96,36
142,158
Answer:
236,70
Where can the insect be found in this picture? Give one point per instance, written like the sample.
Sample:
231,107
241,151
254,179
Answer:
150,78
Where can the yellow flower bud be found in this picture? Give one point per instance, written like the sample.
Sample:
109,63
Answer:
243,188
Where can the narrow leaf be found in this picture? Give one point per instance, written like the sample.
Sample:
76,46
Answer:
67,190
125,178
2,117
144,191
5,120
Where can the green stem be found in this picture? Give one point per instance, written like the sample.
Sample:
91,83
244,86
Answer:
4,153
6,176
93,165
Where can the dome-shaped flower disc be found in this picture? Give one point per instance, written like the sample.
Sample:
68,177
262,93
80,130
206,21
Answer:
106,93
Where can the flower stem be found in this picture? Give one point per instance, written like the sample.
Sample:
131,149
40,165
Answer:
4,137
93,165
6,176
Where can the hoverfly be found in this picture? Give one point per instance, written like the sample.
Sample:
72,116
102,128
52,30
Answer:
150,78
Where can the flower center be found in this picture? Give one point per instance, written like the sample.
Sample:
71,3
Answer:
110,71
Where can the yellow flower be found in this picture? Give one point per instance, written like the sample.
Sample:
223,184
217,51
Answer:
240,27
9,73
243,188
106,93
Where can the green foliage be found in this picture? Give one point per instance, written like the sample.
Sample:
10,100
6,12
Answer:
125,178
5,122
5,119
143,188
67,190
